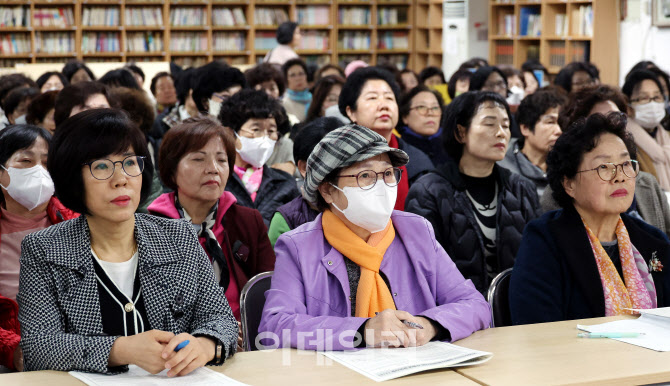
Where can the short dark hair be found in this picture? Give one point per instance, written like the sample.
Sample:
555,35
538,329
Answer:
475,63
531,65
214,77
285,32
356,81
45,77
73,66
580,103
11,81
76,95
535,105
634,79
120,78
643,65
155,79
405,102
564,77
431,71
88,136
319,73
245,105
460,112
663,75
398,77
480,77
135,69
17,96
311,134
321,90
290,63
183,84
458,75
265,72
137,105
40,107
510,71
568,152
188,136
18,137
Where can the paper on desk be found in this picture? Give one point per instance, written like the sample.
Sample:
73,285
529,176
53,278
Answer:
137,376
382,364
654,323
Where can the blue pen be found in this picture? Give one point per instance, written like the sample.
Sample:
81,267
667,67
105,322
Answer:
181,345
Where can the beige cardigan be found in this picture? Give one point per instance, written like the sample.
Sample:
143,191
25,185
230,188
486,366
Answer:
658,149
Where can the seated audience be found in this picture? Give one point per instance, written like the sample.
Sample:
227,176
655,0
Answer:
198,155
122,77
51,81
535,75
326,94
113,288
420,112
369,98
76,71
517,86
79,97
8,83
538,119
474,64
360,269
590,259
137,73
288,37
492,79
297,98
471,197
15,105
213,83
41,111
576,76
268,78
253,115
459,83
162,87
407,79
184,109
328,70
282,154
431,76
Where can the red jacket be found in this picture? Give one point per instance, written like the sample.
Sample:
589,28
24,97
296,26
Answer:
9,311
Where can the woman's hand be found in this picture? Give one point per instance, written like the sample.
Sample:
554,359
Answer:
143,350
387,330
195,354
424,335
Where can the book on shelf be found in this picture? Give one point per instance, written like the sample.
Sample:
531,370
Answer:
100,42
144,16
533,52
100,16
229,41
506,24
188,41
530,22
12,44
398,40
354,16
561,24
318,60
53,17
144,41
270,16
11,63
314,15
17,16
228,17
582,21
265,40
186,62
315,40
557,54
392,15
344,60
581,52
187,16
55,42
354,40
504,52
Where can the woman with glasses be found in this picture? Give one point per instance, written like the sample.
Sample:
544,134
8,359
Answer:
477,208
112,287
420,111
362,274
253,115
590,258
297,98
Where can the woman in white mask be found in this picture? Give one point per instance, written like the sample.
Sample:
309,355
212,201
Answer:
362,274
28,206
647,108
252,115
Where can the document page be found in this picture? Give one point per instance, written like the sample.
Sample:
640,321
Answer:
137,376
382,364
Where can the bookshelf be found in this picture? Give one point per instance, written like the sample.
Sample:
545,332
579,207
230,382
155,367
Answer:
556,32
193,32
428,34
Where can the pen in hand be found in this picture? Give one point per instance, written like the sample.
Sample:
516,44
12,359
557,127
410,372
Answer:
408,323
181,345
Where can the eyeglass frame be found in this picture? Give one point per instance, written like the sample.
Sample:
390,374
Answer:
436,109
648,100
90,167
616,169
376,179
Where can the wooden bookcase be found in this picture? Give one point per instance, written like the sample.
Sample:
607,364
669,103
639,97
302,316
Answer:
562,37
428,34
193,32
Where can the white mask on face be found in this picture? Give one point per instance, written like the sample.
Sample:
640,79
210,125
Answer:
516,95
30,187
20,120
214,108
649,115
369,209
256,151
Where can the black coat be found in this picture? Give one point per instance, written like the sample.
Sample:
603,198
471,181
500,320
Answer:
441,198
419,163
556,276
277,188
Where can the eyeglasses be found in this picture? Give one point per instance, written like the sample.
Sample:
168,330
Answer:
584,83
367,179
103,169
424,110
645,100
608,171
499,85
260,133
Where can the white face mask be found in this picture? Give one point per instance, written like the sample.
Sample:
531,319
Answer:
256,151
20,120
369,209
214,108
516,96
649,115
30,187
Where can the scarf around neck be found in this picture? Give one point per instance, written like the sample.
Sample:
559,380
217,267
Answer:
303,96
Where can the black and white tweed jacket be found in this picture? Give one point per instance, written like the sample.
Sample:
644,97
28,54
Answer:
59,306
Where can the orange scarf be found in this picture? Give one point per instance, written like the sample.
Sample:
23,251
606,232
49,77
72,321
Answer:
372,295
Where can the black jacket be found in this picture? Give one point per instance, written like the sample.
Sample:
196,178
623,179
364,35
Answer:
419,163
440,197
277,188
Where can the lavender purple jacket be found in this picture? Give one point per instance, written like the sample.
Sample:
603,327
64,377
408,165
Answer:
309,297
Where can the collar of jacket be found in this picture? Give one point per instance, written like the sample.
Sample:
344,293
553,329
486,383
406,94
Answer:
526,168
571,238
270,177
449,170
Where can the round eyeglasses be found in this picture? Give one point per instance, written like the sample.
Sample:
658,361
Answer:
424,110
608,171
367,179
103,169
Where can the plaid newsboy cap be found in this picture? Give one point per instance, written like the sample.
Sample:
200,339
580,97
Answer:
344,147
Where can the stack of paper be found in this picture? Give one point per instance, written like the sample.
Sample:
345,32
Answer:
137,376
